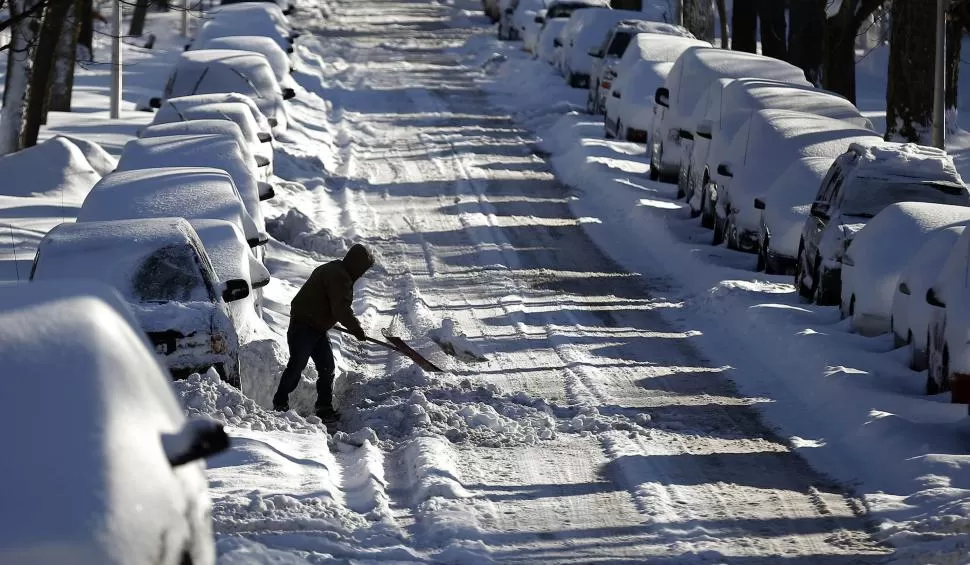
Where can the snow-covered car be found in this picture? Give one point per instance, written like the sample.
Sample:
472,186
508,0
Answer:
784,207
285,5
216,151
587,36
553,21
194,193
630,110
609,53
264,124
258,163
729,103
863,181
258,137
232,258
761,149
547,48
249,17
910,314
161,268
209,71
522,21
277,57
215,29
879,252
113,443
948,335
506,29
656,50
692,74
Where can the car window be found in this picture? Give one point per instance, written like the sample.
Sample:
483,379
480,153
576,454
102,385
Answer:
866,197
170,273
619,44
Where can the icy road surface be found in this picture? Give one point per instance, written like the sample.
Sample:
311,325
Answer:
593,432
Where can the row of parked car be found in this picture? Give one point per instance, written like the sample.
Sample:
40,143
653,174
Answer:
158,277
781,169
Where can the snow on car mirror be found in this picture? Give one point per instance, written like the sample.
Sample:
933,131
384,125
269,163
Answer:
235,289
198,439
288,93
266,191
933,300
820,210
263,239
264,137
272,122
724,170
759,204
662,97
904,288
539,19
261,161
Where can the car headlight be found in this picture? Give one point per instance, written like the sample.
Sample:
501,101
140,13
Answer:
218,343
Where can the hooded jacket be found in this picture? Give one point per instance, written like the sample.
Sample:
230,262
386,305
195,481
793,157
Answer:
327,296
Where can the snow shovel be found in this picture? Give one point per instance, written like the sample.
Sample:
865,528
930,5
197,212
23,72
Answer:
397,344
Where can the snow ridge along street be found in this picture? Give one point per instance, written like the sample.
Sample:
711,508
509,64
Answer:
594,431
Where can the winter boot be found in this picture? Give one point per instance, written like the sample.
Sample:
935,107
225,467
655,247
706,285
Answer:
328,415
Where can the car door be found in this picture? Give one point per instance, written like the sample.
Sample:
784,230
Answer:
819,216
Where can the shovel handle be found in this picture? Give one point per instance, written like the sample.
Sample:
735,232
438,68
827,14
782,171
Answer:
370,339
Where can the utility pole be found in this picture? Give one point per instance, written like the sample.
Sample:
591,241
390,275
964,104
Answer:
939,89
116,60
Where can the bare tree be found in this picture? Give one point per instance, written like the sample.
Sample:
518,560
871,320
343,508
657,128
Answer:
744,25
62,83
909,92
722,17
699,18
957,22
20,62
807,26
138,18
43,69
841,28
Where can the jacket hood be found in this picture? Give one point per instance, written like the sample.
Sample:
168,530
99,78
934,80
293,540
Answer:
357,261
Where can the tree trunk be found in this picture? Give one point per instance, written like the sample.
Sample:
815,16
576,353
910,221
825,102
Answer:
138,18
722,17
43,71
771,19
838,62
744,25
699,18
909,92
85,36
958,19
807,26
62,85
17,84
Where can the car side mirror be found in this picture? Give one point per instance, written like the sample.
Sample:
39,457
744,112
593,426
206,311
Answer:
198,439
705,129
904,288
759,204
556,42
684,134
287,11
288,93
264,137
662,97
290,50
266,191
933,300
155,102
724,170
261,160
235,289
261,239
617,94
272,122
820,210
539,20
596,53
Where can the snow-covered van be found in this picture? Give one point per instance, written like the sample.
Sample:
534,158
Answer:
948,335
862,182
161,268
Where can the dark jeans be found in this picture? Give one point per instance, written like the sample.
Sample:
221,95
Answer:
307,343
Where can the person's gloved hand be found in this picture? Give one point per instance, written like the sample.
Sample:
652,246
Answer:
360,335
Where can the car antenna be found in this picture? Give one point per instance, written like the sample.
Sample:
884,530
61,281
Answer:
13,244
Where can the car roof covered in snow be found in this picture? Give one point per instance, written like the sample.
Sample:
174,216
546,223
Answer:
175,110
885,159
231,256
183,102
54,167
191,192
200,127
697,67
130,256
747,94
650,26
656,47
213,29
217,151
776,138
80,477
277,57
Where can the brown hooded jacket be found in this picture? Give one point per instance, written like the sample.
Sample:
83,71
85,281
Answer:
327,296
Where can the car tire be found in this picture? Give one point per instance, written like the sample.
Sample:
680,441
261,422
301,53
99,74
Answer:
762,265
683,177
719,227
731,234
573,79
707,215
590,103
822,295
654,171
803,290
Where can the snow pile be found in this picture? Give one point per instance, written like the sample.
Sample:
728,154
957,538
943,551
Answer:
207,395
56,167
455,343
300,231
99,159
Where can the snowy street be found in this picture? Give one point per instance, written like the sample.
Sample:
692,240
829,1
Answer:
595,431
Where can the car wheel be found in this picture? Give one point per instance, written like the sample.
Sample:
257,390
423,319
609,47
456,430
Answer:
850,311
719,228
803,290
590,104
731,234
683,176
763,256
654,170
707,215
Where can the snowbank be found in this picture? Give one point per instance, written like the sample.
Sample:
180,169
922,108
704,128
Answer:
56,167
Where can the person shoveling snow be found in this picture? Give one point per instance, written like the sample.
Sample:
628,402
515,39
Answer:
324,299
455,343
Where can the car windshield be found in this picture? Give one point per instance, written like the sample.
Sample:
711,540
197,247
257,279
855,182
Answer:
620,42
170,273
867,197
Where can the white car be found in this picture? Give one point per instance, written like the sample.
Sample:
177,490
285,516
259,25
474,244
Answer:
523,21
277,57
161,268
608,55
910,314
258,163
184,110
878,254
728,103
546,49
784,207
232,258
630,111
947,351
195,193
217,151
215,29
692,74
761,149
585,33
264,124
252,18
114,441
213,71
